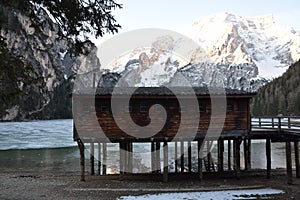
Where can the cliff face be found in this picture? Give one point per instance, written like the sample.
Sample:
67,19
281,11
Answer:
45,70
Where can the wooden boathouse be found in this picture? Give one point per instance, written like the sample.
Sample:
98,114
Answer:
95,125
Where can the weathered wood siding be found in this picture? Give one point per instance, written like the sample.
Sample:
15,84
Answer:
237,117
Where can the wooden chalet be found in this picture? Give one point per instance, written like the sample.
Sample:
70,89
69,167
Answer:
95,123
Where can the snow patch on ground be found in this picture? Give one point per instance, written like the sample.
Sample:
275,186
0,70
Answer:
216,195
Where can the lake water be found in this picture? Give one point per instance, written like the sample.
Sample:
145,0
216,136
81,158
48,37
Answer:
48,146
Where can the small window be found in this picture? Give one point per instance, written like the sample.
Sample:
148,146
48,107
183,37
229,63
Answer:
230,107
104,109
128,109
144,108
202,108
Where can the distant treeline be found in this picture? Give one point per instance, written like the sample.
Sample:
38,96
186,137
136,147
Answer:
280,96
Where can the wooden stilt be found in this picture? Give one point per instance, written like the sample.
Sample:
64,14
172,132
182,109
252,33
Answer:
245,143
182,156
104,158
126,159
208,155
176,159
229,154
82,159
237,158
92,158
189,156
158,170
152,157
289,162
99,158
234,154
268,154
297,162
220,155
200,160
122,161
130,157
166,165
249,153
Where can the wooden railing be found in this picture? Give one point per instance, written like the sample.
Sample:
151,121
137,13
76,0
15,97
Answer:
290,123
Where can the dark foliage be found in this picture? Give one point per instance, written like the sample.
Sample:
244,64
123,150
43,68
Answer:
280,96
75,19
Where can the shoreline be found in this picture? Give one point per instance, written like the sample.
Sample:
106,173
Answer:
24,185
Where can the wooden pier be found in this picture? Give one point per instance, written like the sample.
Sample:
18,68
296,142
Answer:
93,115
271,129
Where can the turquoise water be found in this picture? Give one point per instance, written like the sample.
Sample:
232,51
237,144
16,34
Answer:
38,146
48,147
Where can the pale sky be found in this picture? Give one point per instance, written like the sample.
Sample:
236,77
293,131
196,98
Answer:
178,15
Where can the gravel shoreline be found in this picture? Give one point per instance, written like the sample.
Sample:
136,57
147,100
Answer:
24,185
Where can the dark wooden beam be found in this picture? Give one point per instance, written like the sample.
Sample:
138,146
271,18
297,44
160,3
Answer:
229,154
289,162
176,157
245,143
82,159
237,158
189,156
153,157
297,162
104,158
182,156
166,164
249,153
220,155
92,158
200,160
158,170
268,155
99,158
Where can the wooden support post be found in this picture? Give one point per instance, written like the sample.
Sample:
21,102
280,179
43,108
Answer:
152,157
234,154
220,155
104,158
182,156
189,156
158,169
249,153
166,165
245,143
268,154
99,158
82,159
176,155
279,124
296,149
130,157
237,158
200,160
122,160
208,155
289,162
229,154
92,158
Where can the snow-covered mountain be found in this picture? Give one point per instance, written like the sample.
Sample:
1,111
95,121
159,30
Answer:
231,39
240,53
